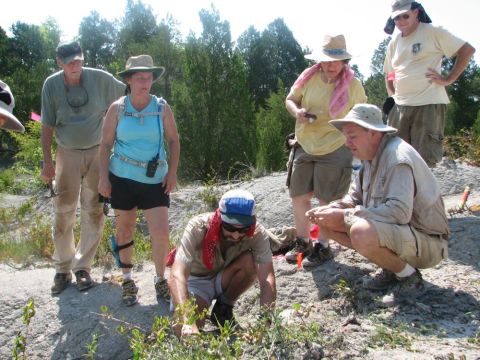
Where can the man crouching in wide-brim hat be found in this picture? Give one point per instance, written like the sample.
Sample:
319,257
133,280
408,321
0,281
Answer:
393,213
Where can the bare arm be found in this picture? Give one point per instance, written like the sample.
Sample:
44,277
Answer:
293,106
268,289
390,87
178,284
463,56
48,171
108,137
173,140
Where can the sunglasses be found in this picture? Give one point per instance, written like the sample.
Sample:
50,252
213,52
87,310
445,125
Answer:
403,16
77,96
233,228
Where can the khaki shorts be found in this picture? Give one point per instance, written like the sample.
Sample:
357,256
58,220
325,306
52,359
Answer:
207,288
422,127
327,176
416,248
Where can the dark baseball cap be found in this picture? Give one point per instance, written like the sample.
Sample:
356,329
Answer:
69,51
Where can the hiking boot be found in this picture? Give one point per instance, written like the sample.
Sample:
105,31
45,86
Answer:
129,294
221,313
61,282
301,246
319,255
84,281
409,285
383,280
162,290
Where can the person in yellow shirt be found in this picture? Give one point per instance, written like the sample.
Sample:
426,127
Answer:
322,165
414,80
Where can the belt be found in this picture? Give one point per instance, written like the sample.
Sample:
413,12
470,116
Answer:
141,164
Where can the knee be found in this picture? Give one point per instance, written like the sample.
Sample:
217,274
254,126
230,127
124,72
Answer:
246,264
125,232
363,235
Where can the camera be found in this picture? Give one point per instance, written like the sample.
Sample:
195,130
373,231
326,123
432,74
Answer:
311,117
152,166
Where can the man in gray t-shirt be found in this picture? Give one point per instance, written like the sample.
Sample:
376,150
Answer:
74,102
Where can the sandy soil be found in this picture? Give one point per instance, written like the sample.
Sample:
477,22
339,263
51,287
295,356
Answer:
439,324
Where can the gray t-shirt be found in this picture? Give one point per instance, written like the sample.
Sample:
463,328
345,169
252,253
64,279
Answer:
79,127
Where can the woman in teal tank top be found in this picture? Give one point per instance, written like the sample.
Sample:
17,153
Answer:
137,174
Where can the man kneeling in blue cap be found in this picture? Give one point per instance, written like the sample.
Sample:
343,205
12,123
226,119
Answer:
219,257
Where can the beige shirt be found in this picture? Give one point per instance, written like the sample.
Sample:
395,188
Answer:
319,137
190,249
411,56
397,187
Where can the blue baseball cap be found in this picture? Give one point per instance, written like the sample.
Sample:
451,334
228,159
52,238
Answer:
237,207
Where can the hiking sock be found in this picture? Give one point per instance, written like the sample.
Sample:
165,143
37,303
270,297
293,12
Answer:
407,271
128,276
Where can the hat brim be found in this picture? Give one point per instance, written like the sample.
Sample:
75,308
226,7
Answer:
236,219
321,57
157,71
339,123
401,11
71,58
12,123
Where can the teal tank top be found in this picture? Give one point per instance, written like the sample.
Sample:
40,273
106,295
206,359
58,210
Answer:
139,138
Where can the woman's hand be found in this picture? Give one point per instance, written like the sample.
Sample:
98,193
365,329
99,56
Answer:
169,182
104,187
302,116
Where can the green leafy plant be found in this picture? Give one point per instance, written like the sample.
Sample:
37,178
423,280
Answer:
21,340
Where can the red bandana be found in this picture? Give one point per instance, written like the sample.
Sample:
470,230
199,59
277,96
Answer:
213,235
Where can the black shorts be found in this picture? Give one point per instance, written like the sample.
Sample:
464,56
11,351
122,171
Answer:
128,194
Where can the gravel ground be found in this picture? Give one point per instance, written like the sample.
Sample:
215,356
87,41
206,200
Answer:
442,323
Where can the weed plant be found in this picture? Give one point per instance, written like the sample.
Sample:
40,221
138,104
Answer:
265,338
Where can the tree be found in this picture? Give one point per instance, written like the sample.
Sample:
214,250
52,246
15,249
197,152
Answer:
97,38
273,124
212,105
375,84
274,55
138,26
464,97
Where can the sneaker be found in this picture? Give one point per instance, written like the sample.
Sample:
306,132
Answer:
383,280
61,282
319,255
162,290
129,294
84,281
301,246
221,313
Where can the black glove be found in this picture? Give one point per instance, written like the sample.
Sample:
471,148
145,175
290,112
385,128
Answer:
388,105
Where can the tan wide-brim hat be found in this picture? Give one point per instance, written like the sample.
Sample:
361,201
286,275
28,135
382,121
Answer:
7,103
364,115
333,48
142,63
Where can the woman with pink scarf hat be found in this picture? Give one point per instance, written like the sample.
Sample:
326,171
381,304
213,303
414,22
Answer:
322,165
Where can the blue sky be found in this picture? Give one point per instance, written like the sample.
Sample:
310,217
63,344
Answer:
360,21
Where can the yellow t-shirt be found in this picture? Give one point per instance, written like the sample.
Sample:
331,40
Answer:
319,137
410,58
